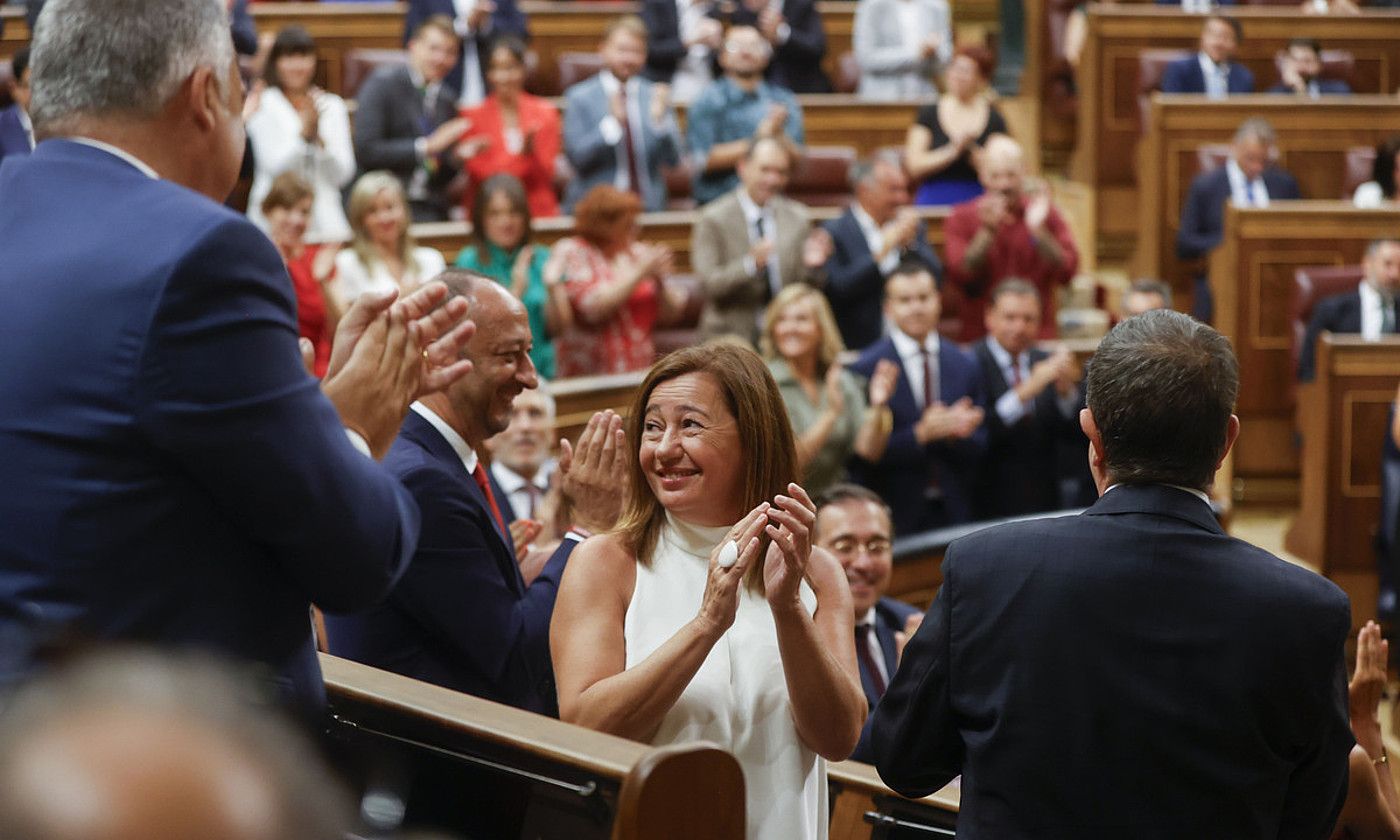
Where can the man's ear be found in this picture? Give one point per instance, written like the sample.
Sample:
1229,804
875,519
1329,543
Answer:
1090,427
201,93
1232,434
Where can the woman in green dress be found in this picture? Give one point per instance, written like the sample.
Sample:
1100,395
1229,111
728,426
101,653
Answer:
501,250
833,413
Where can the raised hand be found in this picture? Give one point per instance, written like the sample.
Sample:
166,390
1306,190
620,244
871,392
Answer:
720,601
593,476
901,638
660,102
1367,685
1037,208
520,271
471,147
790,546
817,248
835,399
447,135
882,382
523,532
992,210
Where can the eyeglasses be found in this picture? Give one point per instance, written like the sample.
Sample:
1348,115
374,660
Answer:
874,546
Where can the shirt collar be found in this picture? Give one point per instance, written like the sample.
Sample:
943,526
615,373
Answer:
1208,65
1200,494
867,224
611,83
141,166
456,441
511,481
24,120
1001,354
906,346
868,617
751,211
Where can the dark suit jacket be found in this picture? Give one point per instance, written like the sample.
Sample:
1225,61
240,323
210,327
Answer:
903,474
1324,86
507,19
1203,213
171,474
796,64
854,283
389,119
14,140
1337,313
1020,473
889,617
1184,76
1129,672
461,617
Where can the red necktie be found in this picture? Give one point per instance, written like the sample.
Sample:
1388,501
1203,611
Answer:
634,177
868,660
480,475
930,379
1015,372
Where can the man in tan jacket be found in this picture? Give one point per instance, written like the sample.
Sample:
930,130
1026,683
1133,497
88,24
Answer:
750,243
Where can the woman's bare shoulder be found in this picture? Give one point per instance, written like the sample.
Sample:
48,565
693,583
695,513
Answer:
605,563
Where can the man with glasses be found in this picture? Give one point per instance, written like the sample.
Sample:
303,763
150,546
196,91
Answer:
854,524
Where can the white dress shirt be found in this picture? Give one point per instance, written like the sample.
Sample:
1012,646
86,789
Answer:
875,239
752,213
1373,306
911,358
1200,494
457,442
27,125
1009,406
693,72
1217,76
611,129
473,86
1245,193
353,278
517,487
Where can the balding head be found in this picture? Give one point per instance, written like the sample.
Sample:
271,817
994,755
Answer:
139,747
1003,166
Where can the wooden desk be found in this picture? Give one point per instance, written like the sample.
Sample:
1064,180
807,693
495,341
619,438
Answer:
1343,418
1108,126
585,785
671,228
1314,137
1252,276
856,790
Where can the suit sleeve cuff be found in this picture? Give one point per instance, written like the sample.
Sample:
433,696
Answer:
1010,408
784,33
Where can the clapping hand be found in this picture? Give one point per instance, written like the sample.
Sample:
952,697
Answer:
772,123
447,135
790,547
770,20
882,382
520,271
472,146
1037,207
835,399
720,601
593,476
523,533
911,626
992,210
480,13
817,248
1367,686
660,102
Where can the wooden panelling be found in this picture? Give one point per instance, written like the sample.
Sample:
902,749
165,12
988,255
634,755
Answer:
1344,427
1313,141
1252,276
1108,110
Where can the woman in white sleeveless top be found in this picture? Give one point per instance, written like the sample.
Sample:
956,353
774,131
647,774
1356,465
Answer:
654,638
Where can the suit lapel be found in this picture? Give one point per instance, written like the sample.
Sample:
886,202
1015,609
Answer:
420,430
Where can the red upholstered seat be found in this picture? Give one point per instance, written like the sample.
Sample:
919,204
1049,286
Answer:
1361,160
1152,65
821,179
575,66
1312,283
359,63
847,73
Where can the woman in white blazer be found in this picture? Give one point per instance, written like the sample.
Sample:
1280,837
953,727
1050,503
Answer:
300,128
900,46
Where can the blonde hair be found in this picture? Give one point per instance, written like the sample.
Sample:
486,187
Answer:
367,188
829,344
767,448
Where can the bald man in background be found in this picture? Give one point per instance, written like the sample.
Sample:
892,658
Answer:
1012,230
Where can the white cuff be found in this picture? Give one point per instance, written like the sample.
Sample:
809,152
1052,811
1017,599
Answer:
890,262
611,130
357,441
420,148
784,32
1010,408
750,266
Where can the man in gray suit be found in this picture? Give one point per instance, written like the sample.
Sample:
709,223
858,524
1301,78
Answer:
751,242
407,123
619,128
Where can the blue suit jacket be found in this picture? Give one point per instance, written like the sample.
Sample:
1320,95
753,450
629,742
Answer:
889,617
1184,76
1129,672
14,140
1338,314
507,19
595,162
854,283
902,475
1203,212
171,475
461,617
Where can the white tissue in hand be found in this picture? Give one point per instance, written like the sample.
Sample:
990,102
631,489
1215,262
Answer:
728,555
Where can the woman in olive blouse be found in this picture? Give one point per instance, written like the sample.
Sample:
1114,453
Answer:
501,250
832,413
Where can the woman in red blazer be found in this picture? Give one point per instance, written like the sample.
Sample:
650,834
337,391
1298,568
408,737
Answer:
512,131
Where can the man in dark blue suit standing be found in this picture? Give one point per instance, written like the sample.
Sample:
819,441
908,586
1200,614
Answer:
1212,71
854,524
877,231
171,473
1371,311
1249,179
462,616
937,439
1132,671
477,22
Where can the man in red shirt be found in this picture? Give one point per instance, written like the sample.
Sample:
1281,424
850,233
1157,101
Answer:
1010,231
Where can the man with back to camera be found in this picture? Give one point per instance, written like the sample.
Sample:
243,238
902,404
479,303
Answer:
926,474
854,524
172,474
462,615
1132,671
1370,311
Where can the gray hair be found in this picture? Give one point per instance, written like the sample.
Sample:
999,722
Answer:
1256,128
864,169
105,57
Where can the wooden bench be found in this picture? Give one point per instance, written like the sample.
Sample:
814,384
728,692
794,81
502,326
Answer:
1343,429
1252,274
1314,140
1108,123
512,773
